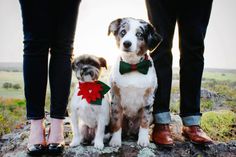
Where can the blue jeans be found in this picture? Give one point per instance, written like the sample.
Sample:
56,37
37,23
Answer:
192,18
49,27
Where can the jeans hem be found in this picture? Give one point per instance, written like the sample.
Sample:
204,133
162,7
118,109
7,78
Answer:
35,118
191,120
162,118
57,117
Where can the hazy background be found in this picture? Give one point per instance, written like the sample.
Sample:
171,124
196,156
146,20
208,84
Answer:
95,16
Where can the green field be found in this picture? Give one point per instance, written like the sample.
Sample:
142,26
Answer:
220,76
14,78
17,78
220,82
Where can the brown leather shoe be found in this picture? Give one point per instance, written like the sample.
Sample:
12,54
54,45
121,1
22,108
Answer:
196,135
161,135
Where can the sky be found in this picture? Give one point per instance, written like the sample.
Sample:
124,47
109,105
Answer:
95,17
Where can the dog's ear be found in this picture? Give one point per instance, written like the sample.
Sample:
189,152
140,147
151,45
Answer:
114,26
153,39
103,62
73,64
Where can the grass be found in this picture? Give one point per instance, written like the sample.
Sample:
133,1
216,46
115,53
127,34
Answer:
206,104
226,89
220,125
220,76
14,78
12,114
217,124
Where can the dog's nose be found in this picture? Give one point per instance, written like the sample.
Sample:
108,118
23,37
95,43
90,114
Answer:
127,44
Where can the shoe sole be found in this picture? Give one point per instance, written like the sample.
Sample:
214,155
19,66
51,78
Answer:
165,145
195,143
36,153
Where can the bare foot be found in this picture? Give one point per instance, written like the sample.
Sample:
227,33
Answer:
56,134
37,132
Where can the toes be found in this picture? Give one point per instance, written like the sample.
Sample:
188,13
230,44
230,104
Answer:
115,143
143,142
99,145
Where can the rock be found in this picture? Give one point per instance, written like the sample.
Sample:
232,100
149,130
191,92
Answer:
232,143
14,144
146,152
176,127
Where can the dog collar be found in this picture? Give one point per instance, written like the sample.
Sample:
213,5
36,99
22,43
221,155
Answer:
93,92
142,66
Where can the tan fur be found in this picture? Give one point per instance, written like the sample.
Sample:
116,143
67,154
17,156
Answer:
148,91
144,121
142,48
132,93
116,109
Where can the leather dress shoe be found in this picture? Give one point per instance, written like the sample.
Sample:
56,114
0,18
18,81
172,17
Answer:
161,135
36,149
196,135
56,148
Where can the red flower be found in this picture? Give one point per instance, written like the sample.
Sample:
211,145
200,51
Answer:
90,91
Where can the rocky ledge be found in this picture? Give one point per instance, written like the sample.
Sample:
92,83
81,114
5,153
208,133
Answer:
14,144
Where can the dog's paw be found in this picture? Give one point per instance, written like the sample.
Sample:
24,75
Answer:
115,142
75,142
98,144
143,141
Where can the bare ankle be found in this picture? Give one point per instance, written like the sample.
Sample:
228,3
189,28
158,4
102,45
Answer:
56,131
37,132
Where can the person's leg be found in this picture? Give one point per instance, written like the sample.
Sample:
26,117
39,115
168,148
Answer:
162,14
192,21
63,28
35,61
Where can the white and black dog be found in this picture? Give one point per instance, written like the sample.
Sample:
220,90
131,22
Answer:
133,79
89,106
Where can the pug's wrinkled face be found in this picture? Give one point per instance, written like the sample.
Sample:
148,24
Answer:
87,67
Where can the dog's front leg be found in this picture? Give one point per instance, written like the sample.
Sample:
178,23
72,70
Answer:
75,129
143,138
98,141
116,124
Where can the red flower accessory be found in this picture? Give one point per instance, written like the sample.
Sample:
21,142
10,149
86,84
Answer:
93,92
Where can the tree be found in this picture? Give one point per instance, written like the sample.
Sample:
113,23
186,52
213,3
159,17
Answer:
7,85
16,86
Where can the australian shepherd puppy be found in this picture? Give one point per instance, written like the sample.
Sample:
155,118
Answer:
133,79
89,104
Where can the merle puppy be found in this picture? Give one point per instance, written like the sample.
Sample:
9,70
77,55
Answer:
133,79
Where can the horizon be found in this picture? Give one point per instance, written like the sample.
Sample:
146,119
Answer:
93,21
109,65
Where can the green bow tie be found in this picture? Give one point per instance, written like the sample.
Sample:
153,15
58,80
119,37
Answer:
141,67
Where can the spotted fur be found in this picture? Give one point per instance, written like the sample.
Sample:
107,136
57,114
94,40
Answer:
132,93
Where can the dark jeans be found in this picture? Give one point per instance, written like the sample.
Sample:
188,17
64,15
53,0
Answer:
49,26
192,17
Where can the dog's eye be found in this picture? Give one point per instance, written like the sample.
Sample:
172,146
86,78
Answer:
123,32
139,35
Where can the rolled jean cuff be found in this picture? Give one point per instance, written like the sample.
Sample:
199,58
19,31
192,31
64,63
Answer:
162,118
57,117
35,118
191,120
